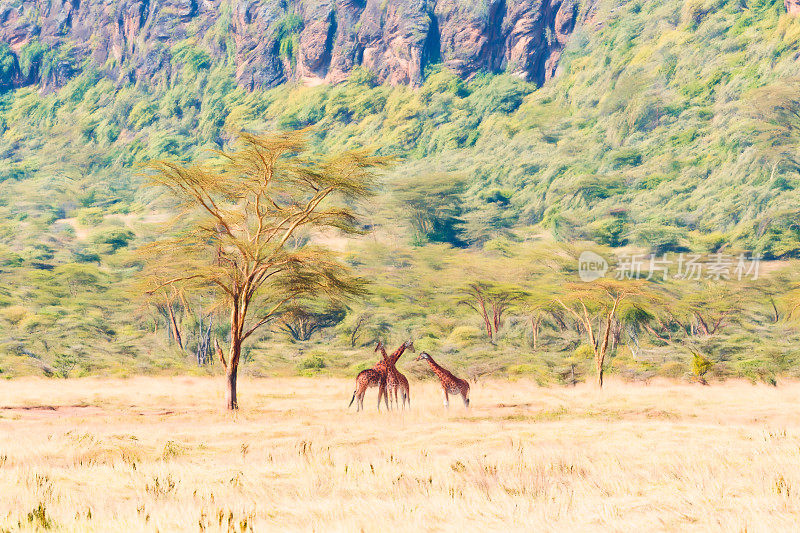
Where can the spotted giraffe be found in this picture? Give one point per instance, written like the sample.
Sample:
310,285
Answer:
372,377
396,381
450,383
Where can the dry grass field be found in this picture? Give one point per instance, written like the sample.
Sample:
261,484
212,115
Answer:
148,454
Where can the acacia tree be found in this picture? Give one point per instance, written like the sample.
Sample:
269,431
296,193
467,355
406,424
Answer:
244,227
595,306
538,303
537,311
710,307
302,320
434,203
490,301
776,111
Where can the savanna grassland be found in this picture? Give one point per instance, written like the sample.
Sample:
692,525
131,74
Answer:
147,454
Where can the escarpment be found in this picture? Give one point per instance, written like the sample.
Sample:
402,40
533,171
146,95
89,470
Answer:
46,42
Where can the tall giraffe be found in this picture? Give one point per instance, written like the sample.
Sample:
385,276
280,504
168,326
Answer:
396,381
372,377
450,383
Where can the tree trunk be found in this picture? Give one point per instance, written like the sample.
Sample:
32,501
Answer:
176,332
487,322
230,392
535,328
561,324
354,334
702,324
600,375
233,366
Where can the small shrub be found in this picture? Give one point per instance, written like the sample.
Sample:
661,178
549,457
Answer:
584,351
611,232
464,335
521,369
89,216
14,314
363,77
539,372
361,367
700,367
757,370
672,369
172,449
313,362
113,240
660,238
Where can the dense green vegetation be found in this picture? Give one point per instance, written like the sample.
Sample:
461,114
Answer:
670,128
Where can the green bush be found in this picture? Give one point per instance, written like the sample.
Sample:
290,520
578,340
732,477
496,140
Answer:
462,335
90,216
7,63
313,362
672,369
113,240
584,351
757,370
658,238
288,36
612,231
194,58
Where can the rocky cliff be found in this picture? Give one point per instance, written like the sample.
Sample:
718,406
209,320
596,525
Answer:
46,42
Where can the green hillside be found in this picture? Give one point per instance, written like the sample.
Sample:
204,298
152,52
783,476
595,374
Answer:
671,126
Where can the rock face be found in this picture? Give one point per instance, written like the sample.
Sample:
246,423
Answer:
46,42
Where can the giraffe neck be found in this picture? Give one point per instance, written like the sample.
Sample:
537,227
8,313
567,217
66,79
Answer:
438,370
396,355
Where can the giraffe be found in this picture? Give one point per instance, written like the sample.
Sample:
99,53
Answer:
396,381
450,383
372,377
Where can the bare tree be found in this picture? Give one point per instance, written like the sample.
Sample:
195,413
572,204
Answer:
359,322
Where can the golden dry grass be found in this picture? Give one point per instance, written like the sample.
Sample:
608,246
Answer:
150,454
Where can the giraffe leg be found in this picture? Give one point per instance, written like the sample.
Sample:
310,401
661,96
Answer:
466,400
446,399
383,393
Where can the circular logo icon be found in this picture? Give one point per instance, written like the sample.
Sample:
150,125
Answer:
591,266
